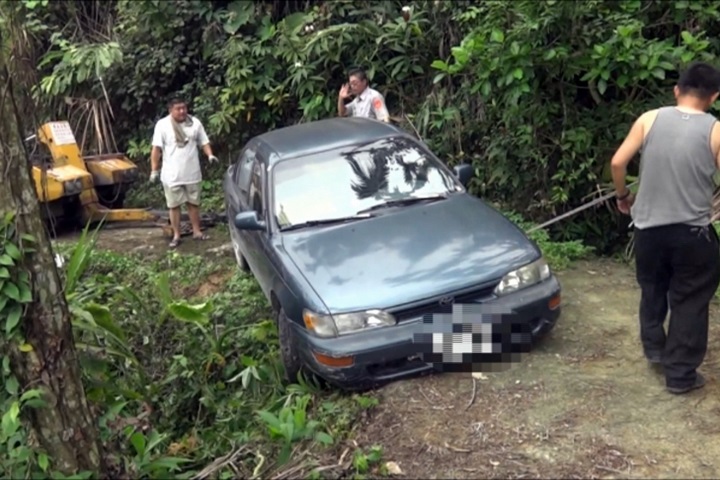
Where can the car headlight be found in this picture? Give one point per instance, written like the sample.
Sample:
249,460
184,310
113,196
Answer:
344,323
523,277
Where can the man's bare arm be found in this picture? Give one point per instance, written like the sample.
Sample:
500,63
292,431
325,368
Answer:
630,146
343,95
342,110
155,158
715,143
207,150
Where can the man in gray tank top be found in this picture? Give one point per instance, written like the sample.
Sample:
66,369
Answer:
677,253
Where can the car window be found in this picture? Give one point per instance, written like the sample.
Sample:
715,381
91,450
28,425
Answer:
340,183
244,170
256,189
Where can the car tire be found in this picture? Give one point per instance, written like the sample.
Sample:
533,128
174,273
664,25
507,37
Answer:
288,351
239,259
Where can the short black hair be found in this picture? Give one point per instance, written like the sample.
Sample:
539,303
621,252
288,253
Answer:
700,80
175,101
358,72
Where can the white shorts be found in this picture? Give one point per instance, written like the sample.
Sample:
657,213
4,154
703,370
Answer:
181,194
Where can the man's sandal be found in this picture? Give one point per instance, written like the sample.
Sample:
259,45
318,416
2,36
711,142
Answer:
175,242
202,236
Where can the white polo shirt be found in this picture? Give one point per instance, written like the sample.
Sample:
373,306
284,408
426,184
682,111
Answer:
370,104
180,164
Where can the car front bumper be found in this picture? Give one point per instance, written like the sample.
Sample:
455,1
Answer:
386,354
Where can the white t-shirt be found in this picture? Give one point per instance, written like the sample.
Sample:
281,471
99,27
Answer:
369,104
180,165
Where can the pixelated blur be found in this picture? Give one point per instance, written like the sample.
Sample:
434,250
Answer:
472,338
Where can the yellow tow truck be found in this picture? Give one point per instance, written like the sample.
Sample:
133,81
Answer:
86,189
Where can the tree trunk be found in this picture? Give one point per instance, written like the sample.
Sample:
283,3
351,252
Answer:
65,426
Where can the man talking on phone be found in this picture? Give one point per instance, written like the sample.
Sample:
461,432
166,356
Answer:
368,102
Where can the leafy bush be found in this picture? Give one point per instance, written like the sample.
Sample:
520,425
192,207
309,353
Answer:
559,255
535,94
181,380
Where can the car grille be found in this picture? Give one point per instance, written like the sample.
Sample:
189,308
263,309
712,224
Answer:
413,311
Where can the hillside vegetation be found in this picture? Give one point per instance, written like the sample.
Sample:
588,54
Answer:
535,94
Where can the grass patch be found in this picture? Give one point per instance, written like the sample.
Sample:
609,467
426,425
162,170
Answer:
185,382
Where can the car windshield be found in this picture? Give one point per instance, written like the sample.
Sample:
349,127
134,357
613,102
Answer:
342,183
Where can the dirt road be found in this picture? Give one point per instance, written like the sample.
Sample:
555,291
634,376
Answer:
585,404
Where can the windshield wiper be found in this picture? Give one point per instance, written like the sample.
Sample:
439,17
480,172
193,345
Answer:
405,201
326,221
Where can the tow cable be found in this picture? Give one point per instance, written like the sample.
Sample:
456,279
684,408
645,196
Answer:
572,212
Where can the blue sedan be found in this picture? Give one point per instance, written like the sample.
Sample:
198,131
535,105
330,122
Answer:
377,262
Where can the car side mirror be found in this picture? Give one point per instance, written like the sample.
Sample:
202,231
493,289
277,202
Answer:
248,221
464,173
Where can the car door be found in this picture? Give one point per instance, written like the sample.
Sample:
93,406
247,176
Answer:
237,197
258,241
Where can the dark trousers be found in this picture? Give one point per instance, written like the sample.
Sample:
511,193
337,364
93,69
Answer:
677,266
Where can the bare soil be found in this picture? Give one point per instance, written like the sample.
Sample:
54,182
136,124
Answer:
585,404
152,242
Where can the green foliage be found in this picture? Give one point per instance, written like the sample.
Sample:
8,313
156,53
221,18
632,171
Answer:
14,282
559,255
536,94
364,462
76,64
17,458
246,67
557,85
182,379
291,425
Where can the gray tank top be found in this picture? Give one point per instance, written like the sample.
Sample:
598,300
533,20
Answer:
676,171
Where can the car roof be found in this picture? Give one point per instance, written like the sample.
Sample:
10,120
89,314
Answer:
321,135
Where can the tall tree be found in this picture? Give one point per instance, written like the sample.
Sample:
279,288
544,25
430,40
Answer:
34,317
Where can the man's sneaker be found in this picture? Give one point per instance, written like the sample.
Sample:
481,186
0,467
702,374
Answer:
699,383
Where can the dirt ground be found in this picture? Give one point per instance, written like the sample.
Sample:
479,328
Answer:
584,404
152,242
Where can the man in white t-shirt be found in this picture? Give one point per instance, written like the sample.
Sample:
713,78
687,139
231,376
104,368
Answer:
368,102
177,138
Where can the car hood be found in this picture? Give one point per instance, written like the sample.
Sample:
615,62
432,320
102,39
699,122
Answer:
408,254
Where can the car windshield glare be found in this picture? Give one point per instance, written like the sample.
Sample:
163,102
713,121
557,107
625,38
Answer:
340,183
